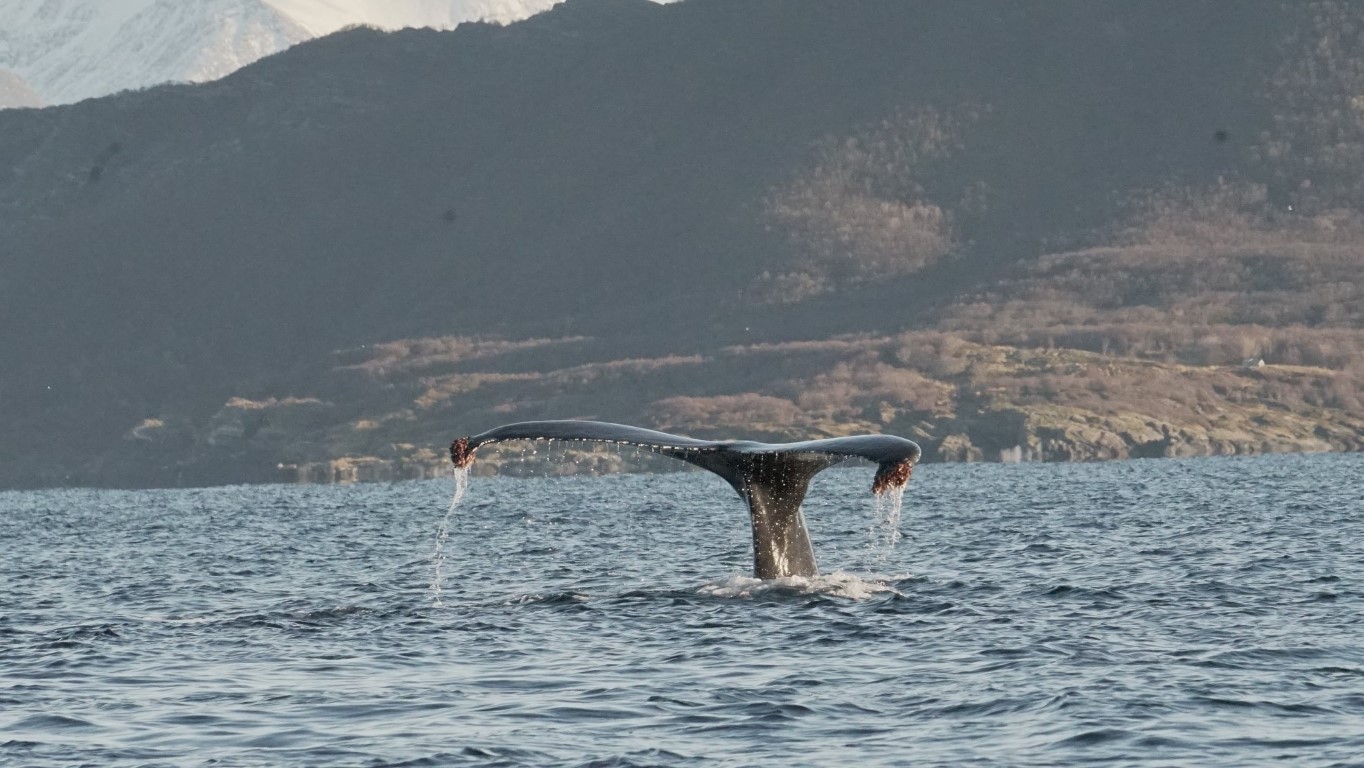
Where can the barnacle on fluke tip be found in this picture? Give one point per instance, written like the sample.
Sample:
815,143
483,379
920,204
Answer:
460,454
892,476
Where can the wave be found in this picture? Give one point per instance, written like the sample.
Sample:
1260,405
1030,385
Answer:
734,586
836,584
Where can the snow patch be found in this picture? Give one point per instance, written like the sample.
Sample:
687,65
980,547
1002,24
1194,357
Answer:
68,50
14,92
322,17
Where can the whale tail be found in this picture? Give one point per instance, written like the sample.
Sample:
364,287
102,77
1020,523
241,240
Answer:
771,478
774,486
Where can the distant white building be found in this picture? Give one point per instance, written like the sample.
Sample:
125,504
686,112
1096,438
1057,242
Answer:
1253,362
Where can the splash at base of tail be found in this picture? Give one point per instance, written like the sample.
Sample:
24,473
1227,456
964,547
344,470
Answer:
771,478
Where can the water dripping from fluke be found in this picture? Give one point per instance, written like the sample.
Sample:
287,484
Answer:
443,532
771,478
884,532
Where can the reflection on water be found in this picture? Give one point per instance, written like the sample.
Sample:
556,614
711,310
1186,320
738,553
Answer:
1138,613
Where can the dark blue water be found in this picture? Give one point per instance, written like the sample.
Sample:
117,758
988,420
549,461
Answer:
1162,613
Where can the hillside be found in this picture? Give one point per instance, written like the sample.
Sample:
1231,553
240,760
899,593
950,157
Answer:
1058,228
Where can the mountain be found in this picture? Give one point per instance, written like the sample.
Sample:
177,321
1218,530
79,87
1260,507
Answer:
73,50
70,50
14,92
1053,231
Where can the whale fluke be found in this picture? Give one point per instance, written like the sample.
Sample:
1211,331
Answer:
771,478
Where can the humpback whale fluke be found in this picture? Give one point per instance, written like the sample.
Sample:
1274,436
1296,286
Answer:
771,478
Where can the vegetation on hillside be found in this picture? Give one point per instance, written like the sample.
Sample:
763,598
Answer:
861,214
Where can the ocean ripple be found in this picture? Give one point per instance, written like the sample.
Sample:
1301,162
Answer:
1191,612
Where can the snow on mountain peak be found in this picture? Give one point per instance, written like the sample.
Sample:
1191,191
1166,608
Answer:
322,17
14,92
68,50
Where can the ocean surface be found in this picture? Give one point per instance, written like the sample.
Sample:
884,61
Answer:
1145,613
